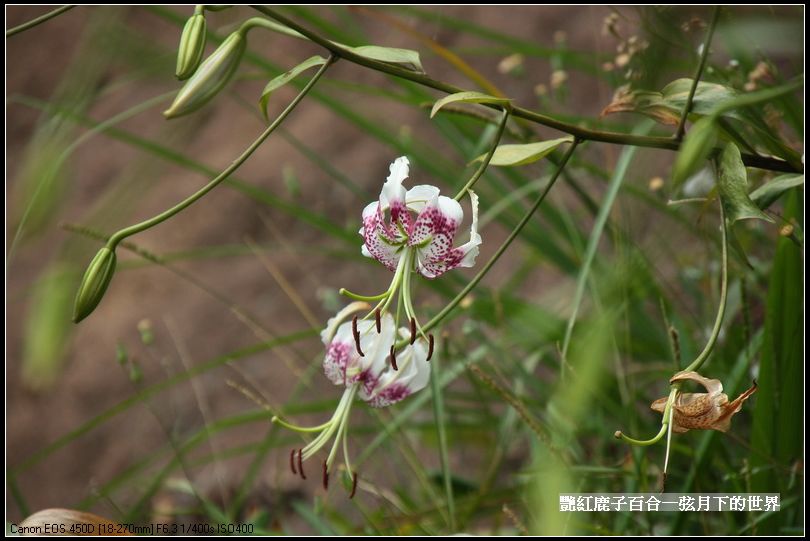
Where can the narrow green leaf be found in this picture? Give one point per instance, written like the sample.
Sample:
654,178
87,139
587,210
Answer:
776,435
732,183
286,77
511,155
696,148
404,58
467,97
48,327
765,195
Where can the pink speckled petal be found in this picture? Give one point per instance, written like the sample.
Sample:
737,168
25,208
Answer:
343,365
380,241
390,386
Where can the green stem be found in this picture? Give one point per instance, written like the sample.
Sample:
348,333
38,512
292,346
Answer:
39,20
438,414
704,56
515,232
487,159
137,228
579,132
721,311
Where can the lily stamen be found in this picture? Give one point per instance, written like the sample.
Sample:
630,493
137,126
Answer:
356,334
430,347
301,464
413,330
377,320
292,462
354,485
394,357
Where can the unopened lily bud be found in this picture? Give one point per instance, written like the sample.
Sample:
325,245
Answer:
192,45
211,77
94,283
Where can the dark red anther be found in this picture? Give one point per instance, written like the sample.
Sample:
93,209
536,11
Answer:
292,462
377,320
354,485
356,334
413,330
325,476
394,358
430,346
301,463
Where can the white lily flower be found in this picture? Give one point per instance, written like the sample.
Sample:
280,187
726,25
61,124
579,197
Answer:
377,363
382,380
419,220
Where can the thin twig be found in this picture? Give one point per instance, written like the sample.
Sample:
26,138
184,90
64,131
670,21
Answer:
704,56
581,133
39,20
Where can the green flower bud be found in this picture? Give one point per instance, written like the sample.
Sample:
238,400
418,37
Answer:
210,77
94,283
192,45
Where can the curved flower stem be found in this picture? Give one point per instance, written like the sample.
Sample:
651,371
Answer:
515,232
579,132
165,215
707,349
704,56
488,158
721,310
39,20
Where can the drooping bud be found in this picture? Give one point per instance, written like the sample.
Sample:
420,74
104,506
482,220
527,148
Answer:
192,45
211,77
94,284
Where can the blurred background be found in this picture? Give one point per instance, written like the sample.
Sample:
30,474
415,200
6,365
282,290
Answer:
136,413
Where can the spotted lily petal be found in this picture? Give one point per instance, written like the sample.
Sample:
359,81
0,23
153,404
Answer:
383,385
430,234
343,365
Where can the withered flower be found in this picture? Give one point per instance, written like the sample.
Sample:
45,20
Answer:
704,411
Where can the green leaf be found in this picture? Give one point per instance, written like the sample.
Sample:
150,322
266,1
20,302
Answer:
705,101
404,58
732,183
467,97
765,195
667,106
776,434
286,77
696,148
510,155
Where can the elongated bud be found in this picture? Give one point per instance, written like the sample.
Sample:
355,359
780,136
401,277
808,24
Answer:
192,45
210,77
94,283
